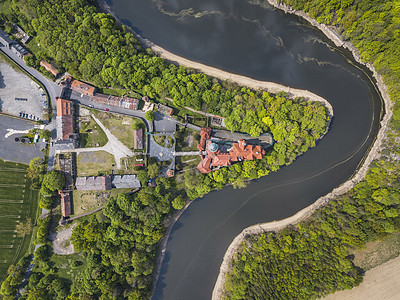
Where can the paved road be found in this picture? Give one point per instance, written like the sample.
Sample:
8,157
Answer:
52,90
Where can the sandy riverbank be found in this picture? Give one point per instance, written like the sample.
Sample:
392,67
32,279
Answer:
345,187
271,87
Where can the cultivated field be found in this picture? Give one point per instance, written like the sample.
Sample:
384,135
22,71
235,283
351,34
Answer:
380,283
17,203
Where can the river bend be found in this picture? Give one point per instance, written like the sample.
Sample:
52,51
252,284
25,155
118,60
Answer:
252,39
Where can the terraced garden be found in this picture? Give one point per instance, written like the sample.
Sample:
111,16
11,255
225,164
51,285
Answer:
17,203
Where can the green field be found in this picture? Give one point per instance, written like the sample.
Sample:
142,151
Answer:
17,203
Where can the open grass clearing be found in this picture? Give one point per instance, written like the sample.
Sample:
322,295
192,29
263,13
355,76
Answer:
95,163
186,139
120,126
90,133
17,203
64,263
378,252
186,162
85,201
128,163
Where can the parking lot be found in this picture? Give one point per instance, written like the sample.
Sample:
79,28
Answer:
17,151
20,94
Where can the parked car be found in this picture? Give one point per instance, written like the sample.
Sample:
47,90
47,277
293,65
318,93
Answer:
90,105
106,109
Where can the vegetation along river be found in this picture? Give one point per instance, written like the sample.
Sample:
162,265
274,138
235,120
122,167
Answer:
252,39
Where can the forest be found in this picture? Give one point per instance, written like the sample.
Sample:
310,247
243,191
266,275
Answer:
314,258
74,36
119,244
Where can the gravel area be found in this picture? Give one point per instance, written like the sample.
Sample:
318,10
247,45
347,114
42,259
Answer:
15,84
61,241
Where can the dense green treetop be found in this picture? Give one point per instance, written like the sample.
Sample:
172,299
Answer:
90,45
54,181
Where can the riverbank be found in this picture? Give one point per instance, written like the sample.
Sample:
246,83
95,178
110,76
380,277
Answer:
271,87
342,189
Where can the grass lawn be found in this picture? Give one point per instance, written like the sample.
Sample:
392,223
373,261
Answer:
186,162
5,7
120,126
63,265
160,140
378,252
91,135
84,201
33,45
17,203
186,139
95,163
128,163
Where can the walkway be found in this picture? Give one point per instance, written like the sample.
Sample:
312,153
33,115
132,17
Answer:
189,153
113,146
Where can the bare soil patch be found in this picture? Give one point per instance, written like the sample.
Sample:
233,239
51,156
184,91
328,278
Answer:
62,240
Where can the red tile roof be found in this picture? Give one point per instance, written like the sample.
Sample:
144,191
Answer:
65,203
205,134
49,68
65,111
240,151
82,87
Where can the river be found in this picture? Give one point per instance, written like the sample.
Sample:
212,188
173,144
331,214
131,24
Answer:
252,39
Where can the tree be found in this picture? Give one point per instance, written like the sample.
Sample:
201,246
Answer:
149,116
46,134
24,228
36,168
179,202
143,177
54,181
135,125
153,170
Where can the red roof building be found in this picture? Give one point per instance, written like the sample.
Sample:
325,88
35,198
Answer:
65,203
65,119
93,183
49,68
215,158
205,134
138,139
83,88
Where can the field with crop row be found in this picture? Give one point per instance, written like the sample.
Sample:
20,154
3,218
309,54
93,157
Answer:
17,203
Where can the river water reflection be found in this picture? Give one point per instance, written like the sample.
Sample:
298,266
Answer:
252,39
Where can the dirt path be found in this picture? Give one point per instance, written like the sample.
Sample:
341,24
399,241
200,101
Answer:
382,282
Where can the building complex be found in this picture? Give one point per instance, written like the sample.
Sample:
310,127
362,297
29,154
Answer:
223,154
